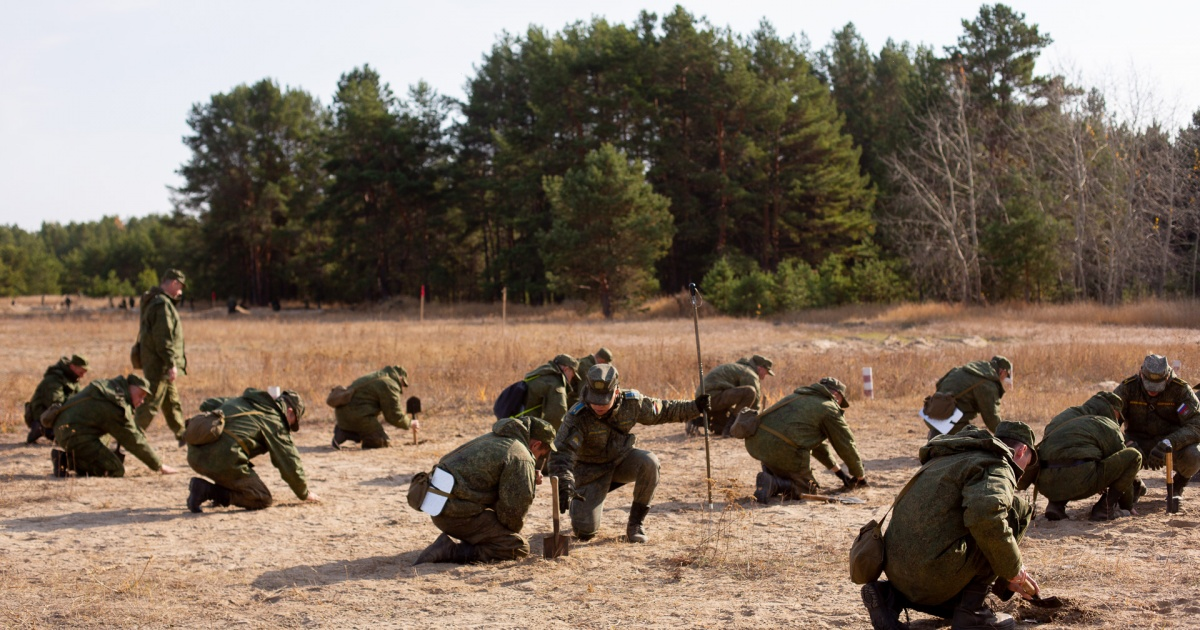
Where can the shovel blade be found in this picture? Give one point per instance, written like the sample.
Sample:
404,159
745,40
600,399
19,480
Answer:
555,545
412,405
1047,602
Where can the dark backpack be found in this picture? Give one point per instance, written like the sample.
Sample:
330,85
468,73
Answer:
511,401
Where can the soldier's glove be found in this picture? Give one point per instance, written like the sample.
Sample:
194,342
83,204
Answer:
566,490
1158,455
702,402
847,480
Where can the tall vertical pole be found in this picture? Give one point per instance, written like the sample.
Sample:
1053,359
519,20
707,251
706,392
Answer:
708,480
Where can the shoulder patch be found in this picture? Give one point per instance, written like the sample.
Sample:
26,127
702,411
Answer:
1130,379
576,408
1178,381
633,393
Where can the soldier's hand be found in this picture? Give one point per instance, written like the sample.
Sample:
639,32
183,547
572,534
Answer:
537,477
172,373
415,424
312,497
566,490
847,480
702,402
1024,585
1157,458
167,470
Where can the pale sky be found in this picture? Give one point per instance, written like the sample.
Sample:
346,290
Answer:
94,94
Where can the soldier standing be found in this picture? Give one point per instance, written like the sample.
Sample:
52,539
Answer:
60,382
732,387
494,478
104,407
255,424
160,337
594,452
546,393
1082,454
376,393
795,428
977,388
1160,417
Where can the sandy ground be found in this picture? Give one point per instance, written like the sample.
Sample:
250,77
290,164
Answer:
126,552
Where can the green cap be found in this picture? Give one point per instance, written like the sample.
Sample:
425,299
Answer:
542,431
604,354
832,384
1018,431
1001,363
1155,373
175,274
602,382
759,360
133,380
1113,401
291,398
567,360
79,361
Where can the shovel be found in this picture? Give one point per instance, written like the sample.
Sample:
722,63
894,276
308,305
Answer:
1046,602
1172,500
556,544
829,499
412,407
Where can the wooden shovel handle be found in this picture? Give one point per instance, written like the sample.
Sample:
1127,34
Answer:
554,503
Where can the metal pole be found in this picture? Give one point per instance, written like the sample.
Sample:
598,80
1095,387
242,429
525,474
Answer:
703,412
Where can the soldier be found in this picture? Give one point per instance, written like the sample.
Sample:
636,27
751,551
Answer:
955,528
732,387
255,424
977,388
104,407
546,396
797,426
60,382
601,356
594,452
494,478
1159,411
1083,453
376,393
160,338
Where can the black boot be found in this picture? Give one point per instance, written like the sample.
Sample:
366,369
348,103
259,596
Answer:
58,461
634,532
200,491
341,436
465,553
220,496
1105,508
972,613
1056,511
442,550
765,487
878,598
35,432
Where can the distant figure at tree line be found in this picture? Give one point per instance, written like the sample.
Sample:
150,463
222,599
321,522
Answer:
159,352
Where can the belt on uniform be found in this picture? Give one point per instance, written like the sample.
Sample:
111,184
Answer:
1067,463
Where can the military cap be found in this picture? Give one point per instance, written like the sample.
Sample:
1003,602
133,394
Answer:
542,431
79,361
1001,363
567,360
1155,373
290,398
133,380
175,274
604,354
759,360
1019,431
602,383
1113,401
834,385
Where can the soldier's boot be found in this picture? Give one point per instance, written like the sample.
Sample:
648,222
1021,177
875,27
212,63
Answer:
634,532
694,427
1178,483
465,553
1139,491
119,453
973,613
1105,508
35,432
1056,511
442,550
221,497
765,486
339,436
58,461
199,492
881,605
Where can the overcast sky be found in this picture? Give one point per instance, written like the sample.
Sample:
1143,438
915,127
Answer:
94,94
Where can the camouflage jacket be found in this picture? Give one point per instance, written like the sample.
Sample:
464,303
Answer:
259,426
589,446
496,471
58,384
1170,415
983,400
1084,433
960,518
808,417
103,408
730,375
546,396
378,392
161,335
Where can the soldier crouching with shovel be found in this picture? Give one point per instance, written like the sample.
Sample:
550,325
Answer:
480,493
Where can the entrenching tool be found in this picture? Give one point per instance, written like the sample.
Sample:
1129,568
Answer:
831,499
1172,500
1046,602
412,407
556,544
708,480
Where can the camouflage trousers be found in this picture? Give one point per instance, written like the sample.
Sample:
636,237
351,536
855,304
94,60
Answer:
492,540
89,457
798,467
228,466
726,404
638,466
1186,460
375,439
1073,483
161,395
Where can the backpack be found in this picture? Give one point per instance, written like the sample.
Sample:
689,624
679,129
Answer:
511,401
340,396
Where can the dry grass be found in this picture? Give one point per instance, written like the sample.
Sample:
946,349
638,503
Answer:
126,553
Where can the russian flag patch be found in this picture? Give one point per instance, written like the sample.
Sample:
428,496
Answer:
1183,409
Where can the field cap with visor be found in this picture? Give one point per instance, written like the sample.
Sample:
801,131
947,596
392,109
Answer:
1020,432
604,354
1155,373
175,274
602,383
133,380
566,360
759,360
542,431
834,385
79,361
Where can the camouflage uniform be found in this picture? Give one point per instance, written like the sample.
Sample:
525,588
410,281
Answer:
732,387
493,490
595,455
808,417
546,396
1171,415
376,393
956,529
161,336
102,408
58,384
1083,453
983,399
255,424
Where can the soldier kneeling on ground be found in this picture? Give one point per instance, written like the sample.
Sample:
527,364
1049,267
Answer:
104,407
59,382
370,396
255,424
